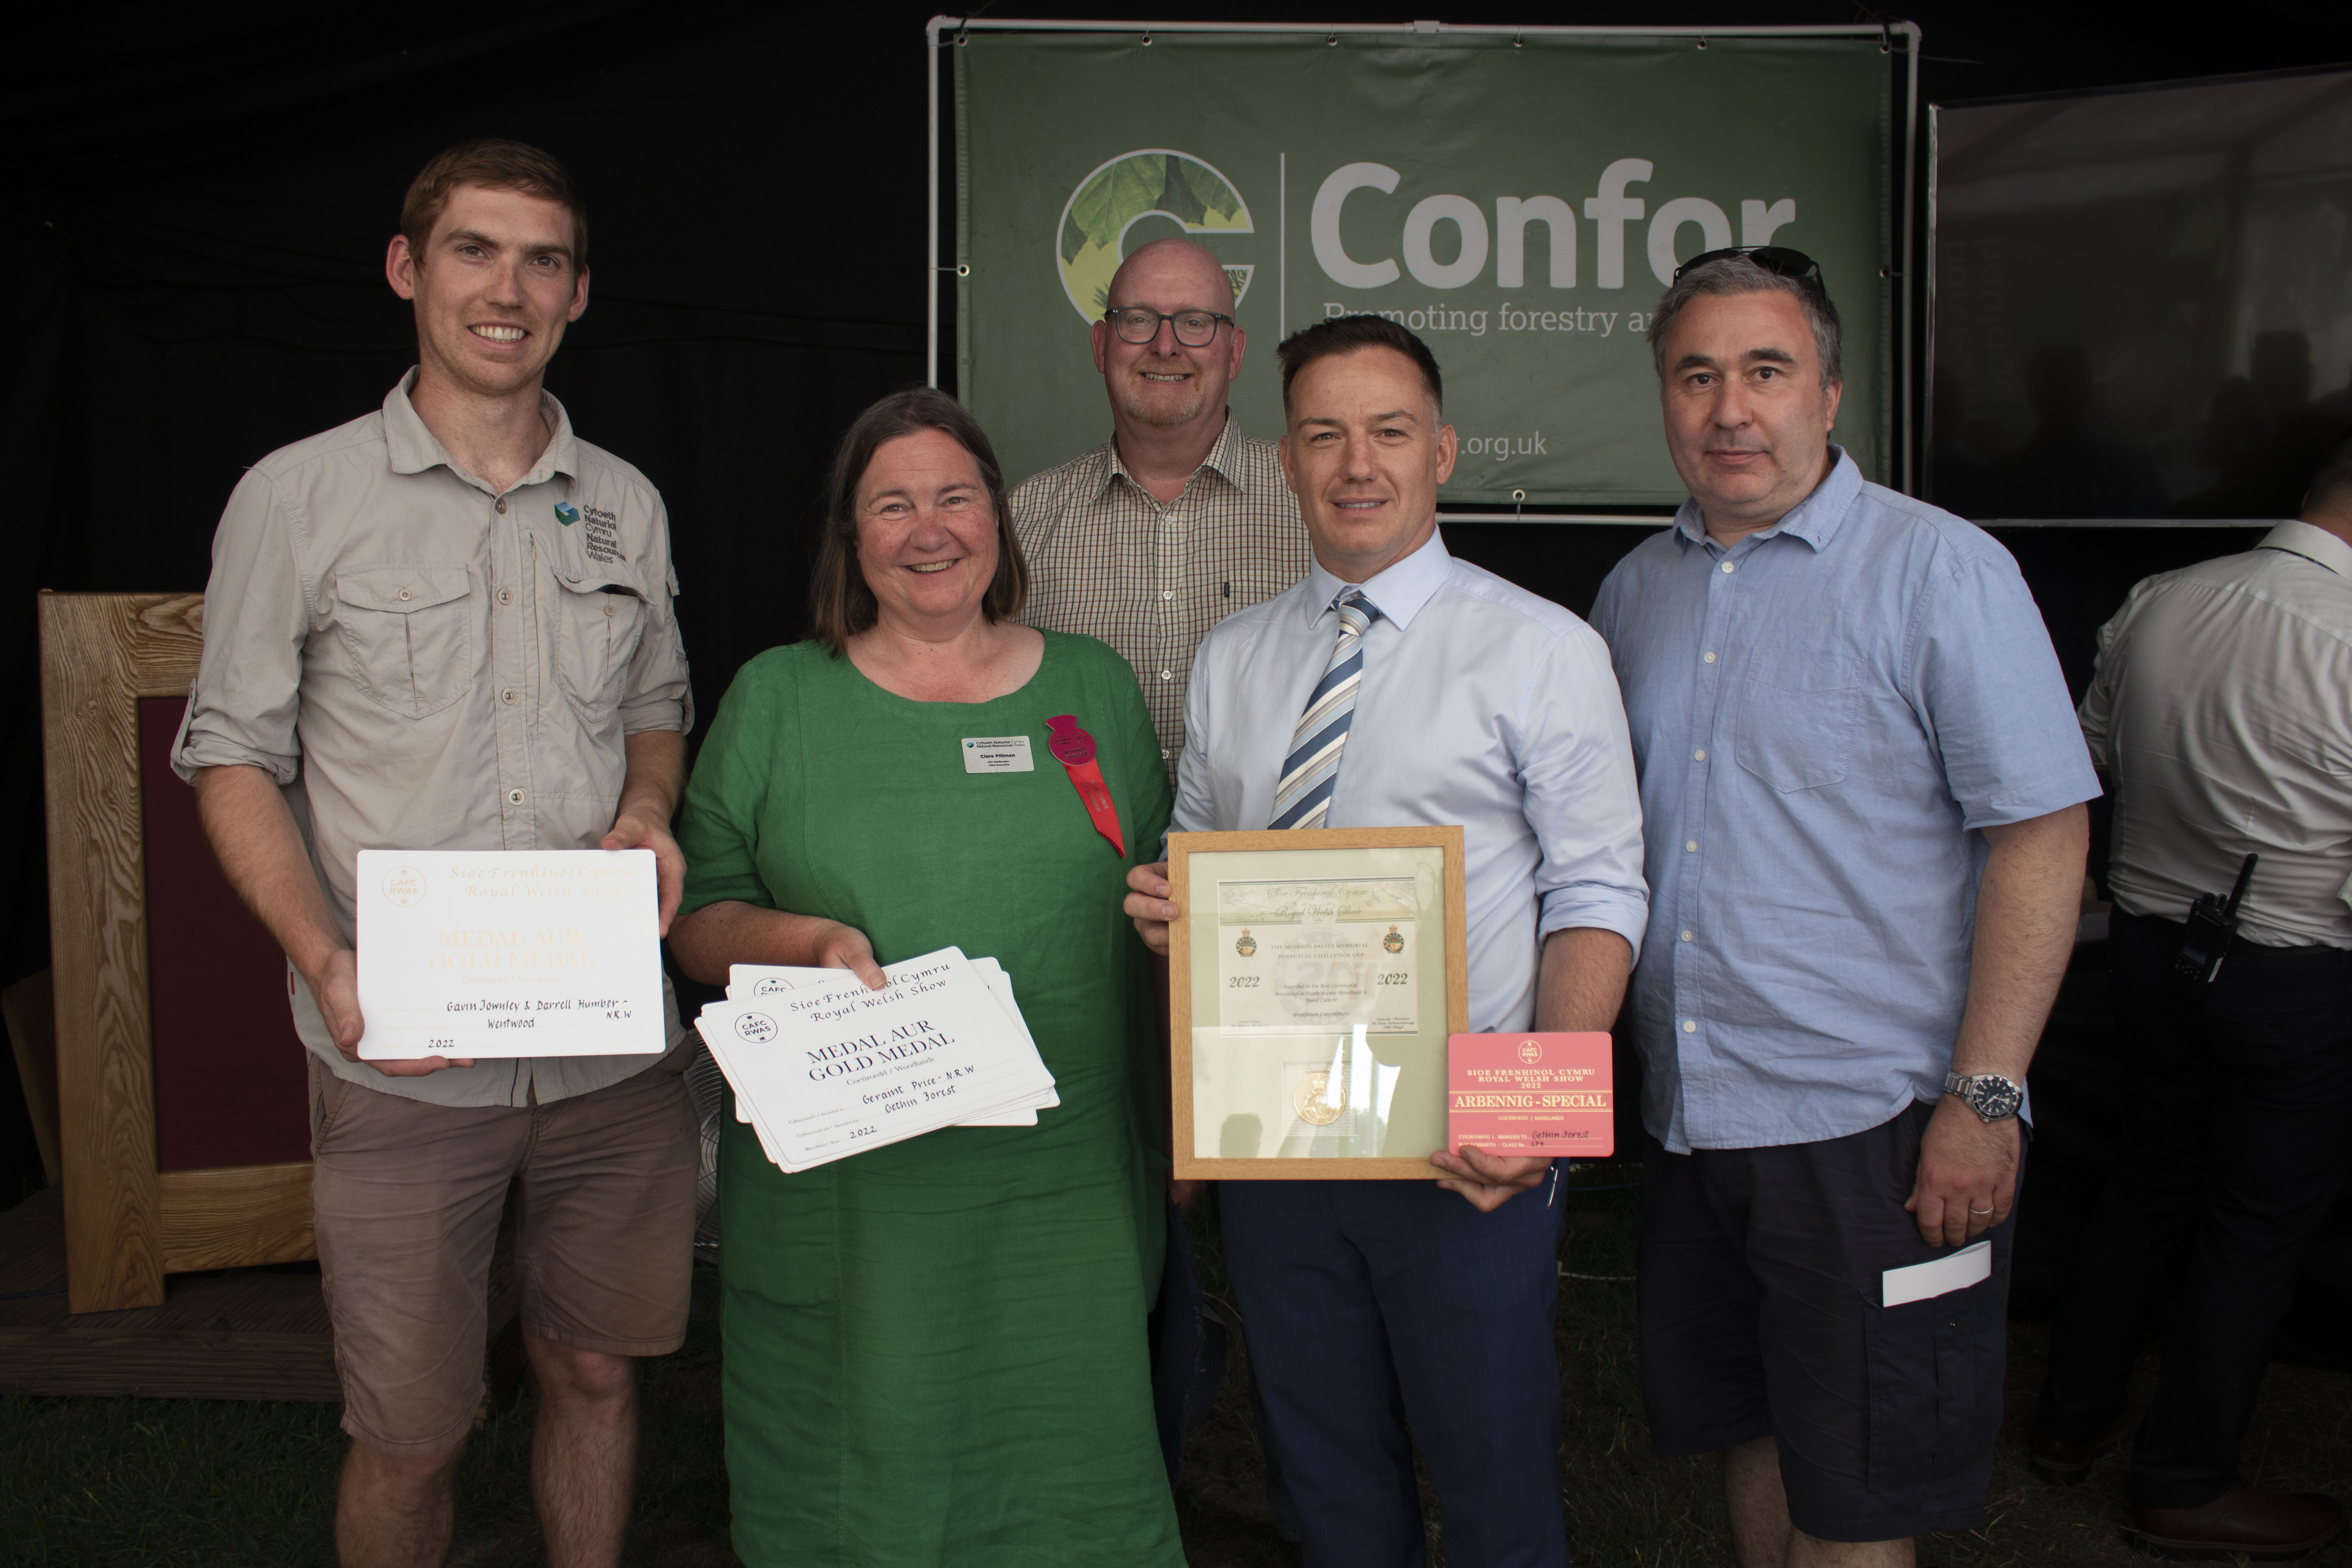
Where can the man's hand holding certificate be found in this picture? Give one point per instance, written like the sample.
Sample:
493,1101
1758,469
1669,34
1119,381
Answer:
481,953
823,1067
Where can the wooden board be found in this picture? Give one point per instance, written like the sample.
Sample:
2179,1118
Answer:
239,1333
125,1226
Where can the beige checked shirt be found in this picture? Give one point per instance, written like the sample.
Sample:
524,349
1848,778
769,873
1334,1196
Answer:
1107,560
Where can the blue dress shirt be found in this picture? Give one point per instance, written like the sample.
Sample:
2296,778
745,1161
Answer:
1824,715
1480,705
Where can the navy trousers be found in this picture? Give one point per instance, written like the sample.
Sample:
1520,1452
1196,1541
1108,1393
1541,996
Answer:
2240,1138
1368,1305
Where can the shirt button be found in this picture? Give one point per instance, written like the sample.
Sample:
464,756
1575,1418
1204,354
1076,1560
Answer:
508,695
1686,936
1710,656
1166,594
1163,753
1167,675
1690,1025
514,798
403,595
1692,845
610,608
1728,566
502,507
1700,755
505,596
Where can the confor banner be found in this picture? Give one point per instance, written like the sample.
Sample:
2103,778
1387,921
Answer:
1520,204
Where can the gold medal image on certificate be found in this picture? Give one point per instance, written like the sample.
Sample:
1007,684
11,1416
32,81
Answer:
1314,976
1324,955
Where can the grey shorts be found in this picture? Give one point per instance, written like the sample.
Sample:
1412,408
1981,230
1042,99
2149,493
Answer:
407,1198
1760,1316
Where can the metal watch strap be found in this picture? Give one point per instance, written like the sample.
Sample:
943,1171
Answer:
1964,1084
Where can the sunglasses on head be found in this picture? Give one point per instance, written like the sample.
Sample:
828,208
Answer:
1777,259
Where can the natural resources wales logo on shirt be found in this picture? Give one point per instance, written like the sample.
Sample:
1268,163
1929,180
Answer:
566,513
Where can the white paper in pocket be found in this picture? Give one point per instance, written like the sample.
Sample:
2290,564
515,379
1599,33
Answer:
1937,1276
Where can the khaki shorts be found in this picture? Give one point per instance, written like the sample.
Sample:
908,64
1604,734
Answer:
408,1198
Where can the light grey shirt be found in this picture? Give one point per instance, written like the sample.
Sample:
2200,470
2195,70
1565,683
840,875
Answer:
422,662
2222,710
1481,704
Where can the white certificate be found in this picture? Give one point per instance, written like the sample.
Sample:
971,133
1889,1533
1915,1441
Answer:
527,952
825,1071
745,980
1311,957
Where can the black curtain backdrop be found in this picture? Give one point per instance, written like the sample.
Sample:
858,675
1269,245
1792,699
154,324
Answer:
201,200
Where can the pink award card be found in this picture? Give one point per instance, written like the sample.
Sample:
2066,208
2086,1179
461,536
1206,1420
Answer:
1531,1094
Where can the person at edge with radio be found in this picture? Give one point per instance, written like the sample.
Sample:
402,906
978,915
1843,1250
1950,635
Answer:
447,625
1398,686
935,1350
1862,795
2218,711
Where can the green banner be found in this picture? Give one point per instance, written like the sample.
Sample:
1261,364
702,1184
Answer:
1519,203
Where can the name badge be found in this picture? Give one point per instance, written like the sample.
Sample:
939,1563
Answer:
997,755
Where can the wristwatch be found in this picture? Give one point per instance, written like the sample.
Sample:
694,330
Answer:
1992,1096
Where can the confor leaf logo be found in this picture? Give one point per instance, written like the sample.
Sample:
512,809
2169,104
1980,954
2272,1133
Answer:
1154,182
566,513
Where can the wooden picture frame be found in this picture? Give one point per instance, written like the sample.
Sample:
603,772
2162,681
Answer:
127,1223
1232,1057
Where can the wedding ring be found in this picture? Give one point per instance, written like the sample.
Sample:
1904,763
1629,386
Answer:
1980,1211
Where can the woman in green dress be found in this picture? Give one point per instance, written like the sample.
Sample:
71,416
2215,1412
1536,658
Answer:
935,1351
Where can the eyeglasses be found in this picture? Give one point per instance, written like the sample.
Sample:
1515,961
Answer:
1777,259
1195,328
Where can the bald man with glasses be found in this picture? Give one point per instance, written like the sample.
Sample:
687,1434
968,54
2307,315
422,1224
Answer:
1180,518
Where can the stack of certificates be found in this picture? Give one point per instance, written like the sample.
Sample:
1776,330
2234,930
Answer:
824,1068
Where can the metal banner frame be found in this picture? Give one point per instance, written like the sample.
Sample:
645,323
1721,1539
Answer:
948,31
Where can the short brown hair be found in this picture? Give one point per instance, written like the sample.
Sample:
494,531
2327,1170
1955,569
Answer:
494,166
841,604
1346,334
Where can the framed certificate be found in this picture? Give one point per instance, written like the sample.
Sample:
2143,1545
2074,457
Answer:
1314,978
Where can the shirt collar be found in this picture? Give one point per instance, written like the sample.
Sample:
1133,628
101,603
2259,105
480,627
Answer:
1224,458
1400,590
2315,544
1815,520
414,447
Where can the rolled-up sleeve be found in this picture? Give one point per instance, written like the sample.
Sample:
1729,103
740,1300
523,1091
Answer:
248,693
660,696
1576,761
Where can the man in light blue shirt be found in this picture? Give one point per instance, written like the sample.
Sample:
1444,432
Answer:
1397,686
1861,786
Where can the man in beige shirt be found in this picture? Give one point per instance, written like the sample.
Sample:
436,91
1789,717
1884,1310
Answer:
447,625
1179,520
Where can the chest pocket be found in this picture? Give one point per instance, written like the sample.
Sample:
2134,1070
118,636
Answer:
599,622
408,634
1799,713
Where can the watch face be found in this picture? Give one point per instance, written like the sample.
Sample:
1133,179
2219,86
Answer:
1994,1098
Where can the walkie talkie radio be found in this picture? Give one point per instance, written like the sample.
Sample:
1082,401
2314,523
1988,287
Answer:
2205,942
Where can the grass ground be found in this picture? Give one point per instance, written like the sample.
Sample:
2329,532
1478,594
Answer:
132,1483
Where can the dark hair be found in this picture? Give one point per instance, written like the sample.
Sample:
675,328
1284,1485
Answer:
841,604
494,166
1739,275
1345,335
2331,486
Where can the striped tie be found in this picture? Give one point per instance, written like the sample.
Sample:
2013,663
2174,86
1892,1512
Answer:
1312,770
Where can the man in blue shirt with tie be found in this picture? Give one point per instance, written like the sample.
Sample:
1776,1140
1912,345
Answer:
1861,790
1397,686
